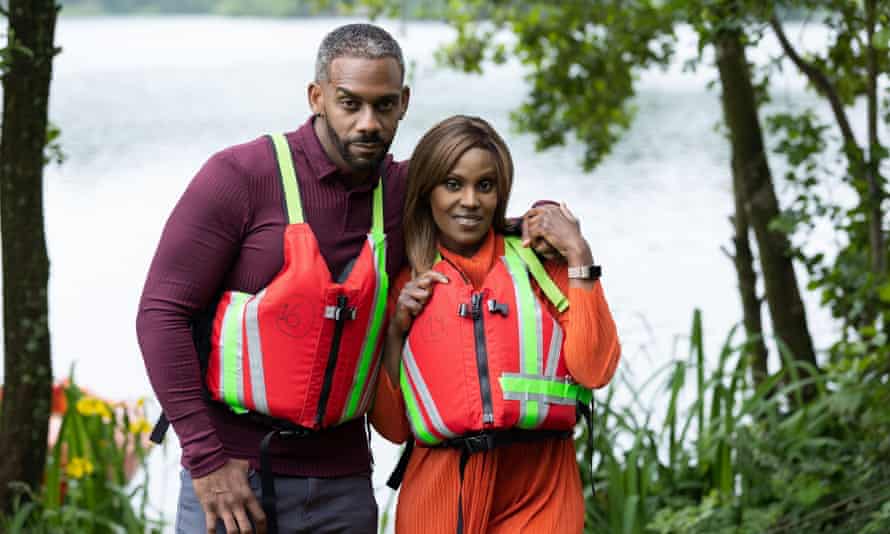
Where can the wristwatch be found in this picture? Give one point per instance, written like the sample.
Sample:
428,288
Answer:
585,272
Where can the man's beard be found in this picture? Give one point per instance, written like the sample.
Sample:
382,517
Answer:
358,164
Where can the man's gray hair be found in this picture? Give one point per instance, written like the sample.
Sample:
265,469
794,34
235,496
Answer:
356,40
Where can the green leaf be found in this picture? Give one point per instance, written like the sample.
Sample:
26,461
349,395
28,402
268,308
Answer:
884,292
881,39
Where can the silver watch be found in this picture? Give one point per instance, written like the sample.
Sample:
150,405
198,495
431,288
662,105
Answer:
585,272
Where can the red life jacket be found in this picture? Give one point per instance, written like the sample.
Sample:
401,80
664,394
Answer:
489,360
306,348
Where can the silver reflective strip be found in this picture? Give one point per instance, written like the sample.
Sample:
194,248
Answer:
555,349
425,398
255,354
542,399
518,298
539,342
375,258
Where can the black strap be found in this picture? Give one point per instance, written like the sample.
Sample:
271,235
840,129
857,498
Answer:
160,429
464,459
398,474
267,477
586,411
487,441
267,483
477,443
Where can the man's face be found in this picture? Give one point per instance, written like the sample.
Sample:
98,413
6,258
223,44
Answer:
361,104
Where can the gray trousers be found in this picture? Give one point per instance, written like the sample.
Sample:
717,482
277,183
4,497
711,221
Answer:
324,505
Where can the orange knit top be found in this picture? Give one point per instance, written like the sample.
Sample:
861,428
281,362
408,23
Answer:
525,487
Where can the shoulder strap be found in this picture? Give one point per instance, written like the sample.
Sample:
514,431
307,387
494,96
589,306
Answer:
539,273
291,188
288,173
377,209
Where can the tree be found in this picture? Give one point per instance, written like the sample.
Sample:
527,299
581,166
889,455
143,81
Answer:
854,283
24,414
722,24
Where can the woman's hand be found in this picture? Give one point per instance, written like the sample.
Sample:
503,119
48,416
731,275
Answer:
412,299
560,228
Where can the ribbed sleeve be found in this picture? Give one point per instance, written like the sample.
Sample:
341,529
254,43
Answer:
591,344
199,241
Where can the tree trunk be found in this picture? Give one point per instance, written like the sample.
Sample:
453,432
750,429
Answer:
744,266
28,368
878,254
761,206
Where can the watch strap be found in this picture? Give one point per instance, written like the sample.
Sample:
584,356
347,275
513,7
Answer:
585,272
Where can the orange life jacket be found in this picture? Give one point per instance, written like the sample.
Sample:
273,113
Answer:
489,360
306,348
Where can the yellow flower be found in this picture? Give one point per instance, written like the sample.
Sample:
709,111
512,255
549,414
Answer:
140,402
93,406
140,426
78,467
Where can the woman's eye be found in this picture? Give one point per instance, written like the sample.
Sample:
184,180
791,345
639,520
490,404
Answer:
452,185
486,186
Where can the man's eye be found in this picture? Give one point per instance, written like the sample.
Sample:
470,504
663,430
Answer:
383,107
349,104
486,186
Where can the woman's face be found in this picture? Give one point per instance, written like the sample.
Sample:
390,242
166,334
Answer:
463,205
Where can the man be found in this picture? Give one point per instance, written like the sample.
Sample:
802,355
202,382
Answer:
227,233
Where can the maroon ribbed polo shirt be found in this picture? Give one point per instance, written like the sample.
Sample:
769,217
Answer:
226,233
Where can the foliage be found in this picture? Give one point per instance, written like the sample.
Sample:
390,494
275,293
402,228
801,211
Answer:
86,484
263,8
737,459
582,62
823,154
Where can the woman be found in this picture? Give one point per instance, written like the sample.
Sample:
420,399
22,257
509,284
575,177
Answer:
485,359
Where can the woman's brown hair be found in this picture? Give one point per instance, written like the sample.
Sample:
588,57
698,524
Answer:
434,157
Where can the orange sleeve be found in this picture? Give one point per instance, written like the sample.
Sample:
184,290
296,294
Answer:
388,413
591,342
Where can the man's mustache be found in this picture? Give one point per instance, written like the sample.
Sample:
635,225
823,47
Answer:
366,139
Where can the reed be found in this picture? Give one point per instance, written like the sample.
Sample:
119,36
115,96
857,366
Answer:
739,458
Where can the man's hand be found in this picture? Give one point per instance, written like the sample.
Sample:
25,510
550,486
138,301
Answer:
533,235
225,494
553,231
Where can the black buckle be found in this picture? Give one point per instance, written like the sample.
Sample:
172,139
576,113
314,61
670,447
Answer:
479,443
498,307
294,432
341,311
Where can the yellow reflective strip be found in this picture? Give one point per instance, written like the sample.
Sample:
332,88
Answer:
288,179
548,287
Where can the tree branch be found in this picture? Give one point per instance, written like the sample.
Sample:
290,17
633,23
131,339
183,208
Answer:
819,80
